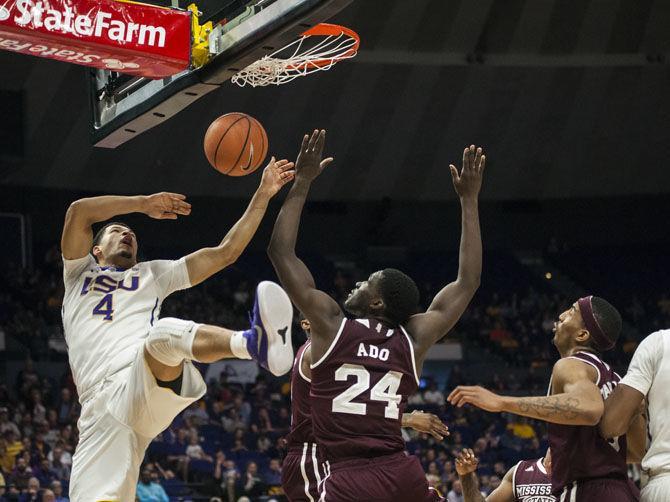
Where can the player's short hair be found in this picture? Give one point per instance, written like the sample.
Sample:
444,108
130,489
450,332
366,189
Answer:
99,234
399,293
608,318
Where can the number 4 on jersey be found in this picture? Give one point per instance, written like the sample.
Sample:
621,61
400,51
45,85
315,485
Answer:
105,308
385,390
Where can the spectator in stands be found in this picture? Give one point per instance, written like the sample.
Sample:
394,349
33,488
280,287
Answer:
21,473
32,491
57,488
273,473
433,395
149,491
194,450
521,428
44,473
66,408
6,424
253,485
61,462
456,492
48,496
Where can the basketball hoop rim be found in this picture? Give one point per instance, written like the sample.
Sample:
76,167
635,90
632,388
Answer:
332,30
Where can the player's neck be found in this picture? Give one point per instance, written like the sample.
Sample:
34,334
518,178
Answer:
579,348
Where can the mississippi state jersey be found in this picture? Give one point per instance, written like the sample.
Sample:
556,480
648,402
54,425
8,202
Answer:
359,390
107,313
531,482
578,451
301,414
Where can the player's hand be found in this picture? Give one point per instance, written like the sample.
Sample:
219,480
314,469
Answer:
166,206
275,175
466,462
476,396
428,423
468,182
309,164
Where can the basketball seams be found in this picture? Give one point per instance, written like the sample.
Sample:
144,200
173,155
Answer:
263,138
216,151
244,145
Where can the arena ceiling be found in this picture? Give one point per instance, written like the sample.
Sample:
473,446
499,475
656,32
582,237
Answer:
570,98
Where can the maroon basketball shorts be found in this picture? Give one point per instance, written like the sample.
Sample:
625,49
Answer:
605,489
301,473
390,478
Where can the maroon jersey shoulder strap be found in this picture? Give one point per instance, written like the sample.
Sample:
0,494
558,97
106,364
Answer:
411,351
332,345
298,361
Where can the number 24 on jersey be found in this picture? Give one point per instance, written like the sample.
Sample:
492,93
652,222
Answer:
385,391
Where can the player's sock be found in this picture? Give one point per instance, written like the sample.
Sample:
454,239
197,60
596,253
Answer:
173,385
170,340
238,343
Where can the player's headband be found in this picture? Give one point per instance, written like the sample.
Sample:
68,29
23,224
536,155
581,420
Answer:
601,340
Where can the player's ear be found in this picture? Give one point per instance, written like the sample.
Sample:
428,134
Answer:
583,336
96,251
377,304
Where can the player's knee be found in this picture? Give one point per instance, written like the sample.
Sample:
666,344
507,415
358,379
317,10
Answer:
170,340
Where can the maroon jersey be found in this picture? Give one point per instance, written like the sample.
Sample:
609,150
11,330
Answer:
578,451
531,483
359,390
301,417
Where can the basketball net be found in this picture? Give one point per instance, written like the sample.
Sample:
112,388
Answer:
318,49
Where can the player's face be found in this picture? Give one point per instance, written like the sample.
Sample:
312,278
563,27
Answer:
362,296
118,247
568,327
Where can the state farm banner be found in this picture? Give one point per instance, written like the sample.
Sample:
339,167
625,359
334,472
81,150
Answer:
131,38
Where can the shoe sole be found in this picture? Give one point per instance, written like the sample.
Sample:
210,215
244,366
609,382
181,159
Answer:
276,313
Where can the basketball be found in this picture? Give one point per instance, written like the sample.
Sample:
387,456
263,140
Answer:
236,144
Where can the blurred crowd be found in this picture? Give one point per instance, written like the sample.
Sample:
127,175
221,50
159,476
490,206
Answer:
229,445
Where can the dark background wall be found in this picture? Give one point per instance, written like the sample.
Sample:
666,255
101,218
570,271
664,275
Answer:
570,99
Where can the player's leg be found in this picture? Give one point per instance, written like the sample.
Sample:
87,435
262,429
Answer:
302,474
106,462
172,341
657,489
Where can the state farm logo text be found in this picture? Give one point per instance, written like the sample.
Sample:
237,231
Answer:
101,26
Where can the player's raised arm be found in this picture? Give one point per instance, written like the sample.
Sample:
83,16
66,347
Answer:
323,313
577,400
77,235
466,467
450,303
208,261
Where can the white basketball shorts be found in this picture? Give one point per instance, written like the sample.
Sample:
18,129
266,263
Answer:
116,425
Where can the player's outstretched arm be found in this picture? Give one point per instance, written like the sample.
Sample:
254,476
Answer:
466,467
621,408
450,303
577,400
623,404
77,237
206,262
425,422
323,313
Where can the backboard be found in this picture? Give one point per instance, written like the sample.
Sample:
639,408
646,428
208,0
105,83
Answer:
225,41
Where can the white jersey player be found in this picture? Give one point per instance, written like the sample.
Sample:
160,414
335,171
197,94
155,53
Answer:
133,371
648,377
